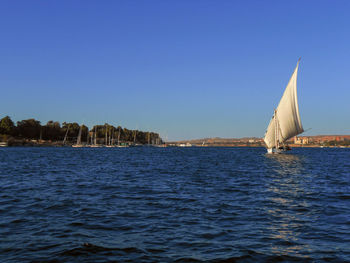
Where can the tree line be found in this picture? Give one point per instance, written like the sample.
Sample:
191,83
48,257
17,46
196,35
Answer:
54,131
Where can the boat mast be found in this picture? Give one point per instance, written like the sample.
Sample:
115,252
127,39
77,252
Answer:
87,136
95,136
277,130
109,135
79,135
65,136
118,135
106,135
112,137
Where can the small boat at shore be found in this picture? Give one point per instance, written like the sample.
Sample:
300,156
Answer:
285,122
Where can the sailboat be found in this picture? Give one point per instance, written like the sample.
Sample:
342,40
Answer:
285,122
94,138
118,140
134,144
110,138
78,144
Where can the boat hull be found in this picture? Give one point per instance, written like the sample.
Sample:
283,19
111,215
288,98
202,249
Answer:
274,151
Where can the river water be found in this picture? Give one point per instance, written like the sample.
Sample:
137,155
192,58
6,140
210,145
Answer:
174,205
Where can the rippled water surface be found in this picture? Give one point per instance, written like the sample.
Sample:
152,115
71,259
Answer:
174,204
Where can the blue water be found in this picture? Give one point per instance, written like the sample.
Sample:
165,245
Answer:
174,204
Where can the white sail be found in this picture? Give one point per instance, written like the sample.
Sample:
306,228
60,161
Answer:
79,135
286,121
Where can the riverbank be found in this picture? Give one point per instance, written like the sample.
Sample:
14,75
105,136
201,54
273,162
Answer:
31,143
295,142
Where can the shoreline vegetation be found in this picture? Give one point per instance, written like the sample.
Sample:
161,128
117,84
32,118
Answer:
31,132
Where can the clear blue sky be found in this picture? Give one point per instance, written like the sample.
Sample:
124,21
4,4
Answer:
187,69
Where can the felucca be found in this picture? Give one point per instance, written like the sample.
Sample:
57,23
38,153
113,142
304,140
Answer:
285,122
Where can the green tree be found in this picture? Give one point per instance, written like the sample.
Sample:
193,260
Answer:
7,126
84,133
29,128
52,131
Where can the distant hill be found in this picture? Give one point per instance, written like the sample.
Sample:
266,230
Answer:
246,141
255,141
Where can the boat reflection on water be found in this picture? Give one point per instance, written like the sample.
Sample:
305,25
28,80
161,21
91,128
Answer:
285,164
287,208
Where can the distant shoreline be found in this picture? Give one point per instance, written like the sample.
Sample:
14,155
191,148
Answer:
59,144
31,132
301,141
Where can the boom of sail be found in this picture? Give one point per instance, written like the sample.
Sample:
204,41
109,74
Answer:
285,122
